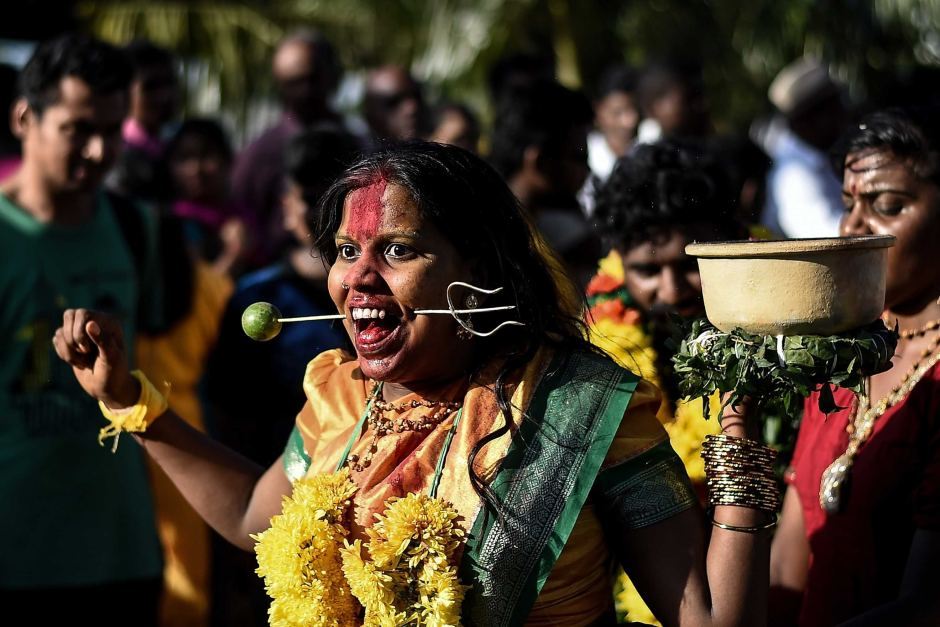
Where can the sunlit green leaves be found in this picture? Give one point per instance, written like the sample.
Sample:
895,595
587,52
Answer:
777,373
450,44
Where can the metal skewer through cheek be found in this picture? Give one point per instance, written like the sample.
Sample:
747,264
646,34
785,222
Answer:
313,318
451,310
422,312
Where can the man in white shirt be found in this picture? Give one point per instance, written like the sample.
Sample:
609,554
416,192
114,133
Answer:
616,117
804,197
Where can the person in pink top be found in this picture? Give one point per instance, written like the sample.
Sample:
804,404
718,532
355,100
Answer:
199,158
154,97
154,104
10,158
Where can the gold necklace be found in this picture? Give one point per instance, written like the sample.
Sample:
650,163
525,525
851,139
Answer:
832,486
382,425
906,334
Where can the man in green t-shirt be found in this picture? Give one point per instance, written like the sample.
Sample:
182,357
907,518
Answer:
78,526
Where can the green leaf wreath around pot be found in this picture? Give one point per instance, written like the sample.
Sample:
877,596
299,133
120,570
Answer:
778,372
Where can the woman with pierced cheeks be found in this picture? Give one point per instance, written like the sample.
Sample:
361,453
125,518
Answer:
390,262
548,455
865,547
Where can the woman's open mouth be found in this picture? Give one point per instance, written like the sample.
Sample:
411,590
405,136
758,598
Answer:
377,330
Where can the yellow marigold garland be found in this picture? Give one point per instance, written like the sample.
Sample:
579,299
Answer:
315,577
299,555
412,577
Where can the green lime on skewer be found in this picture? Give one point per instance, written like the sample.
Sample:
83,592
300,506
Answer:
260,321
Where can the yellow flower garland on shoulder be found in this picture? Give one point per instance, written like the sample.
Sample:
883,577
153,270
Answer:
316,578
407,574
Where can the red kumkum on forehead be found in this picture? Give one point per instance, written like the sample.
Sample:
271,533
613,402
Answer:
366,210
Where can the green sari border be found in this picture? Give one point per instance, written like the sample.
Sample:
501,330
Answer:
295,458
544,481
624,472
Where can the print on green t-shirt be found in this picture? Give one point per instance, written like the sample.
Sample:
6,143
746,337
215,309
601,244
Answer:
82,515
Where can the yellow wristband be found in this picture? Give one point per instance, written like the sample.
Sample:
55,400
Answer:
137,417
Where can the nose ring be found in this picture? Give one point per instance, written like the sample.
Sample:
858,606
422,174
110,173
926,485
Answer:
344,286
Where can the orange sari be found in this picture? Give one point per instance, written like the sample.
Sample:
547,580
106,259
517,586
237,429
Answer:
578,589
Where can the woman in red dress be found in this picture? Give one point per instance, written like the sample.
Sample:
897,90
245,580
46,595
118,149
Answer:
860,530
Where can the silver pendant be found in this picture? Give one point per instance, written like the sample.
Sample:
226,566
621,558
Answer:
832,486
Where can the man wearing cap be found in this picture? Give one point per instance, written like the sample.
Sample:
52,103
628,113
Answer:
804,197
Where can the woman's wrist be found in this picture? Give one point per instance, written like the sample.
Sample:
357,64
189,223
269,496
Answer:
126,394
741,519
734,428
734,421
132,416
739,473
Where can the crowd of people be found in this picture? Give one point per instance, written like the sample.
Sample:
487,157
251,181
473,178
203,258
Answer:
582,486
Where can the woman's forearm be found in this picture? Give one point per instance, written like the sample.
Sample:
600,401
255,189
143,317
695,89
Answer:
738,562
738,568
789,563
235,496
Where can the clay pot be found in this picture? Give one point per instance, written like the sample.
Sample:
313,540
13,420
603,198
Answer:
794,287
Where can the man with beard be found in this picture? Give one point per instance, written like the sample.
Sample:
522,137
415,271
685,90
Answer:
656,201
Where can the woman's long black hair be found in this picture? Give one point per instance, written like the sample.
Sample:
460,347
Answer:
470,204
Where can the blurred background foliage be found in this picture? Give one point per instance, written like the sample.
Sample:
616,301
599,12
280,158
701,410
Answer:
880,48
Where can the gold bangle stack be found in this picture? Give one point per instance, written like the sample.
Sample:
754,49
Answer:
740,472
